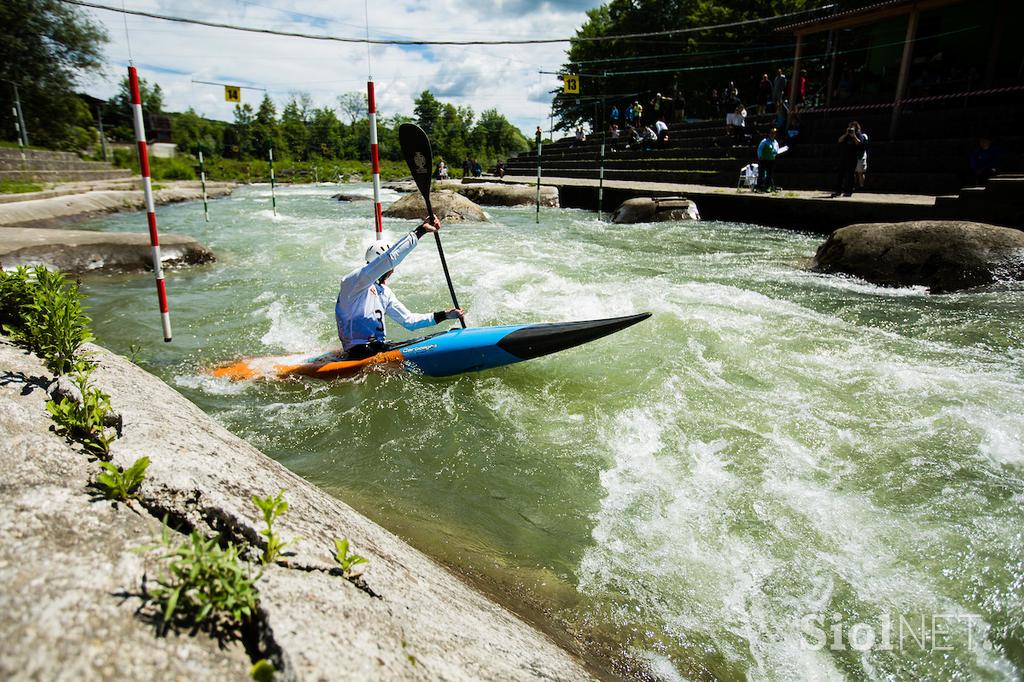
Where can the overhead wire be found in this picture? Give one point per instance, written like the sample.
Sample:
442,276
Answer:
382,41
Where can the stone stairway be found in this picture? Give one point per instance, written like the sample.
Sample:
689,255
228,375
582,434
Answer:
53,167
998,201
929,156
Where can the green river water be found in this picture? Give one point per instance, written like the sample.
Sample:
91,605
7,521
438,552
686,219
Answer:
778,476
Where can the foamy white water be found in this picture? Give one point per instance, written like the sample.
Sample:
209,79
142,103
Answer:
778,476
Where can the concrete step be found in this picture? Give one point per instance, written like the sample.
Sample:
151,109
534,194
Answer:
52,165
39,154
66,176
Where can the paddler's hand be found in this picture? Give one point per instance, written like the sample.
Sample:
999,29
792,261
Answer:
454,313
431,225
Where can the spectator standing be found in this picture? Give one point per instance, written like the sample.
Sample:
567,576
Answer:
985,160
767,152
712,103
500,169
477,169
678,107
467,165
860,171
851,145
630,115
614,115
764,93
638,112
801,89
779,89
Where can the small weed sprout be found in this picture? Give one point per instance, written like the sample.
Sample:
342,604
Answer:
83,422
204,584
345,560
272,507
262,671
122,485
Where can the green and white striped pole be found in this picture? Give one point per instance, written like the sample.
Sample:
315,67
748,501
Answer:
273,194
202,179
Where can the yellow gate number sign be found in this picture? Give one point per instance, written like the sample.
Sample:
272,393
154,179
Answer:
571,84
232,93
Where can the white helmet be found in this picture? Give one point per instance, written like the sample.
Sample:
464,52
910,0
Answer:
376,249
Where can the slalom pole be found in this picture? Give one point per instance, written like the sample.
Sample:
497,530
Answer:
600,182
202,179
539,145
19,127
273,193
371,100
147,187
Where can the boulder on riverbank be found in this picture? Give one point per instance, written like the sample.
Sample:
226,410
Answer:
499,194
448,206
82,251
655,210
72,578
941,255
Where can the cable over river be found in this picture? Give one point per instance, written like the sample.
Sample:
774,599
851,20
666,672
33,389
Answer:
780,475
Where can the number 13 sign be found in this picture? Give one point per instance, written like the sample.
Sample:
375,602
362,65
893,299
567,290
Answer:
571,84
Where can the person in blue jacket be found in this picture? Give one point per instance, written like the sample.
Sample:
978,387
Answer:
767,152
364,298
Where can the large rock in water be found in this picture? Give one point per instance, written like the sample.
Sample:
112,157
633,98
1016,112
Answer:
499,194
448,206
941,255
655,210
81,251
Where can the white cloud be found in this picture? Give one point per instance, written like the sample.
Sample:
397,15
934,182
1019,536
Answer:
480,76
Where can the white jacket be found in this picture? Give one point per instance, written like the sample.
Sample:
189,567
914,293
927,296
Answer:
363,301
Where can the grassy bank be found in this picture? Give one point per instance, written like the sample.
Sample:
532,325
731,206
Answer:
238,170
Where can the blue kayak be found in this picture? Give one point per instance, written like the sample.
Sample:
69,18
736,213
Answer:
451,352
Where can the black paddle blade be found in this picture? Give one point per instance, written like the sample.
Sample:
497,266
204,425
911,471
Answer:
416,149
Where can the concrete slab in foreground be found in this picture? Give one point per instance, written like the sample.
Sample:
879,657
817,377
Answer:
70,578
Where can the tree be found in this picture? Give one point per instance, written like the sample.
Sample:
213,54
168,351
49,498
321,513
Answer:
46,48
265,133
294,129
693,63
241,132
353,105
192,133
427,111
118,113
324,134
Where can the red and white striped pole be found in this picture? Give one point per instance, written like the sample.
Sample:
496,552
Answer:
147,187
375,158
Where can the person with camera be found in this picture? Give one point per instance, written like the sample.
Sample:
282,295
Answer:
852,144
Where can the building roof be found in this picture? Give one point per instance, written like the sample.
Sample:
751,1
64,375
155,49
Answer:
863,15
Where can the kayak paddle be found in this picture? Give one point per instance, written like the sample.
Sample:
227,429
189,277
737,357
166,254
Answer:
416,149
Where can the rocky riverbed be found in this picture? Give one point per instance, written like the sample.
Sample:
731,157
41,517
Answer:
72,577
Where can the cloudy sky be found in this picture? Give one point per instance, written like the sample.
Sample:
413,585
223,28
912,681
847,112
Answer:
503,77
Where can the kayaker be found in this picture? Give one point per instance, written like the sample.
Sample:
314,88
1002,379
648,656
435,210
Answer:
364,298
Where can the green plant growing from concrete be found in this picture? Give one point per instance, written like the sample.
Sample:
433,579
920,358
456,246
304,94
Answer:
41,310
272,508
122,485
83,421
262,671
346,560
203,584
